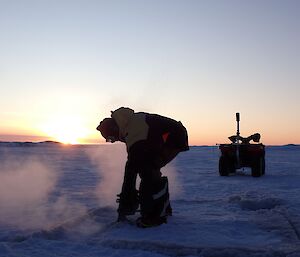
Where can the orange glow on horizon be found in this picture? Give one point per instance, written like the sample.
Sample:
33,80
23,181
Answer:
74,139
72,131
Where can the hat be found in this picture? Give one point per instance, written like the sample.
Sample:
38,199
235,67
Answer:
109,129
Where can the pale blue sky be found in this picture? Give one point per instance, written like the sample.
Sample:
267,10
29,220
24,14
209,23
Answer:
196,61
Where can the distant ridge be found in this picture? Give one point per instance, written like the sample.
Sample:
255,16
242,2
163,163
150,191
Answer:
287,145
48,142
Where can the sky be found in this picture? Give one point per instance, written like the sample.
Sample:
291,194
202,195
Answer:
65,64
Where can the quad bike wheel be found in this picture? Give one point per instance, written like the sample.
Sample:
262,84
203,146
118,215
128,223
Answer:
226,166
258,167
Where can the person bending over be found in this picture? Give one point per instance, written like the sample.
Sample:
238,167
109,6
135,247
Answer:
152,141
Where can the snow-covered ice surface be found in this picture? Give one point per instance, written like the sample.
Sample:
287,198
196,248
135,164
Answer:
69,210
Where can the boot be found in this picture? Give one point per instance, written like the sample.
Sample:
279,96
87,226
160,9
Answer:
148,222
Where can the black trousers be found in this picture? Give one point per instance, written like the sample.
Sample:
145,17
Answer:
147,161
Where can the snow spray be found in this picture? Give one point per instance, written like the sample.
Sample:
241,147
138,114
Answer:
26,185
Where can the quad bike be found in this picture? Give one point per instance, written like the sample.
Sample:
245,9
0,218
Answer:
241,153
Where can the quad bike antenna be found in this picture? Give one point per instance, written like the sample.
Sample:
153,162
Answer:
237,115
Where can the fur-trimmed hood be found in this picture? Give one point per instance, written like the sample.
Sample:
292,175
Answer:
122,116
132,126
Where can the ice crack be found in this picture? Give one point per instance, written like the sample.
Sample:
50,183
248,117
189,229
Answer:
291,223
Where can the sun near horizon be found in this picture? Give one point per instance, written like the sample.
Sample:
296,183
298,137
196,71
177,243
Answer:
67,130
